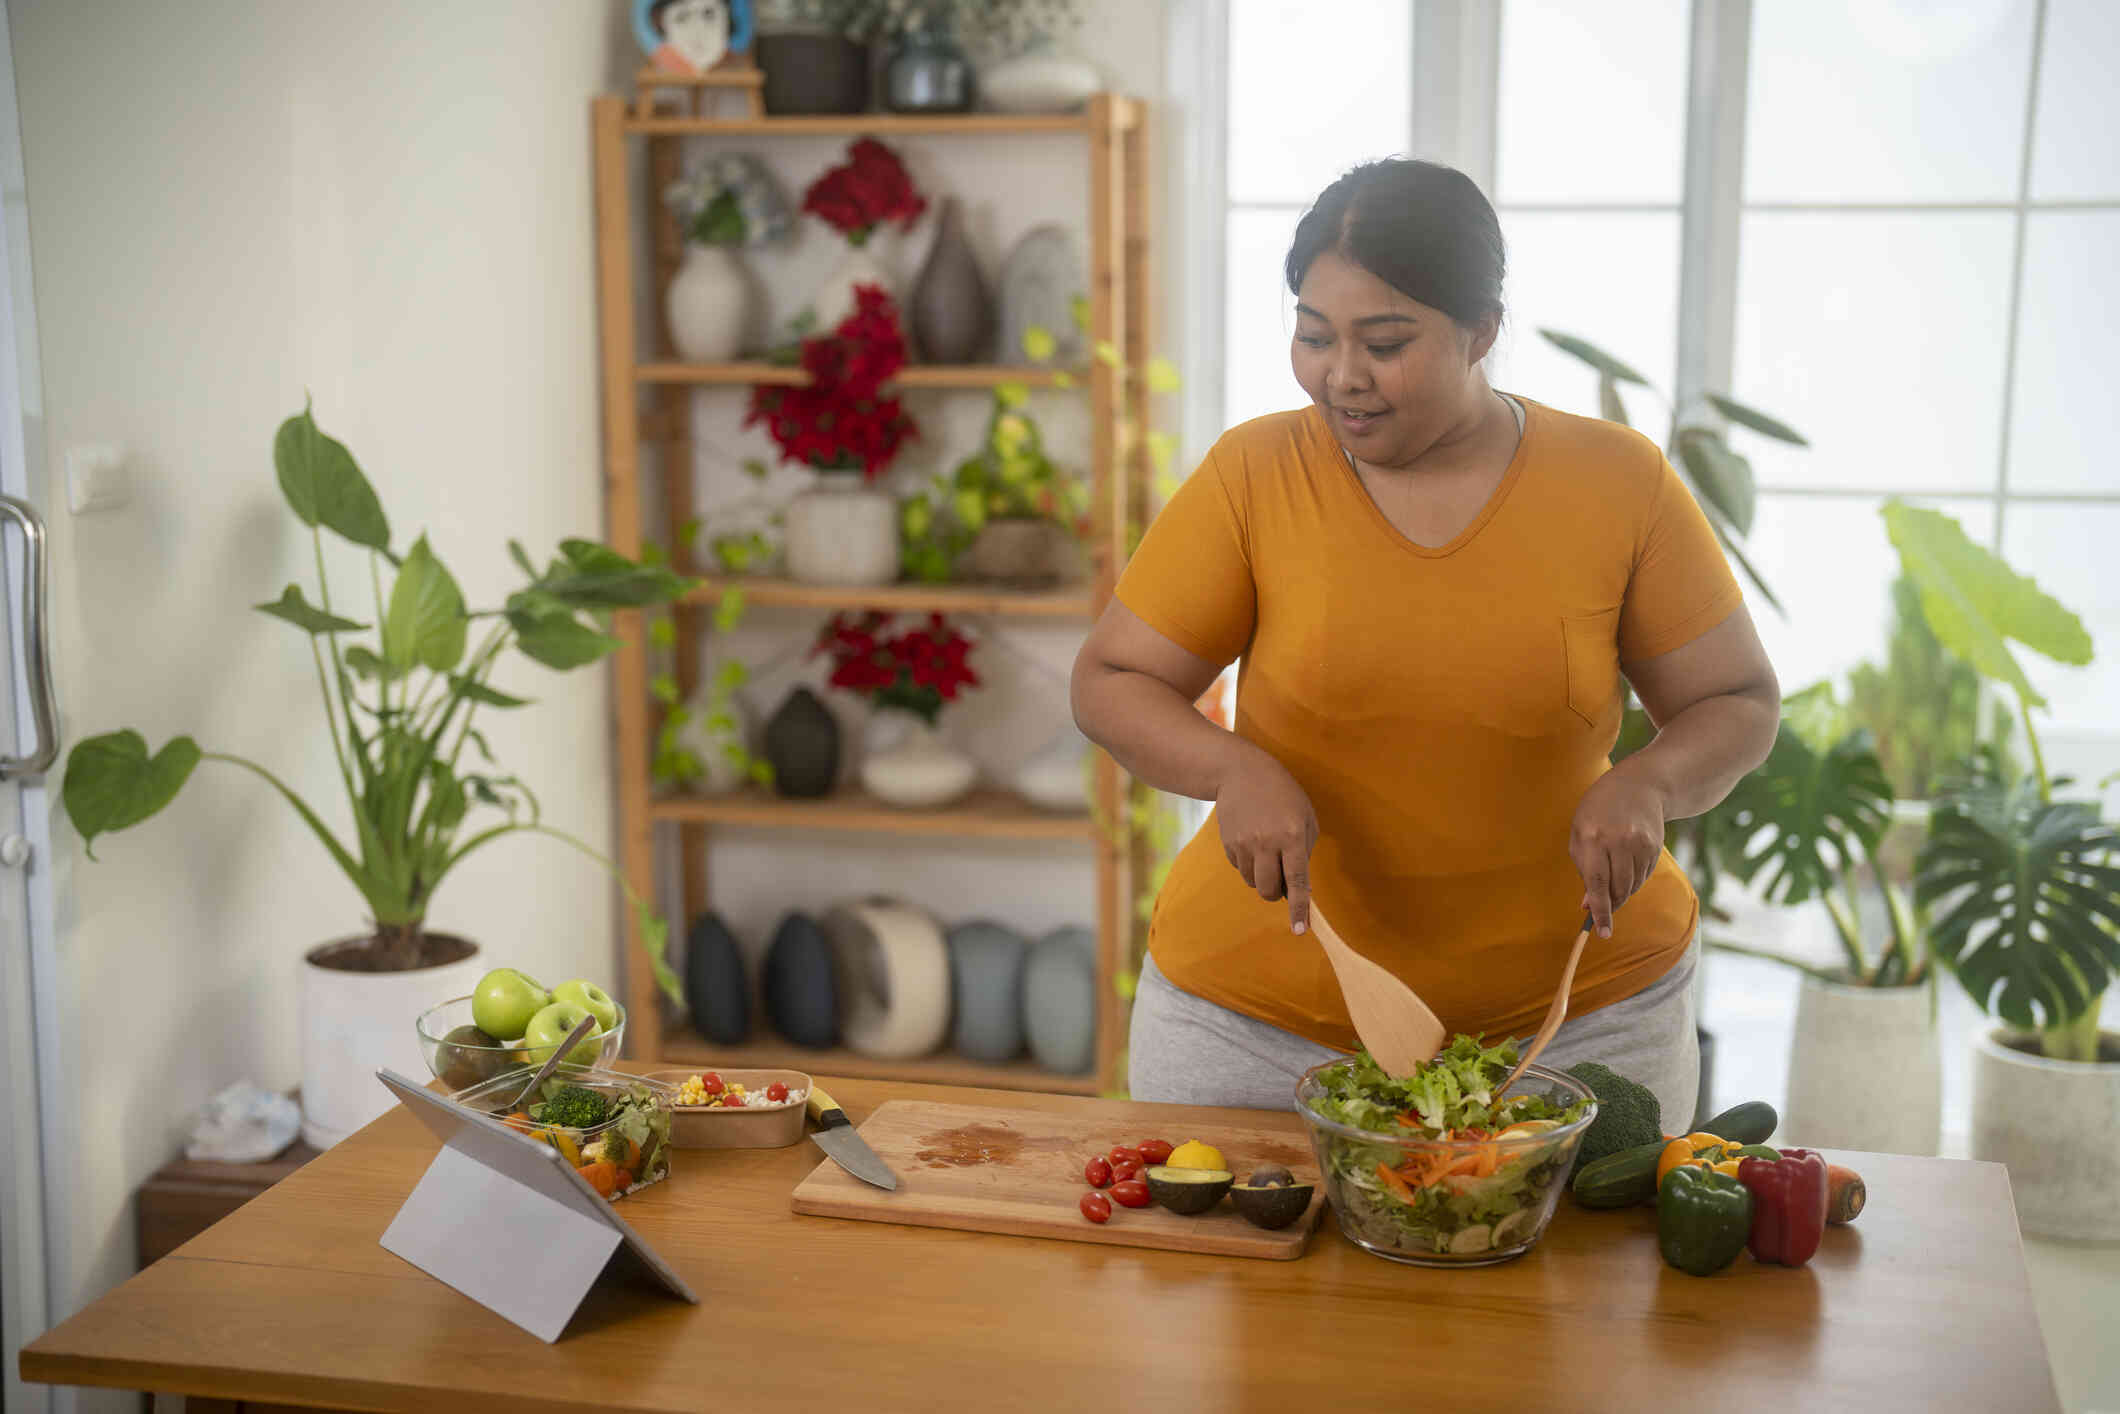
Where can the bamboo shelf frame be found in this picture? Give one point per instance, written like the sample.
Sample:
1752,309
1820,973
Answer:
1114,129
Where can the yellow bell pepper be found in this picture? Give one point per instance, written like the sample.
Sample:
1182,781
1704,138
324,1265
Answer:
1698,1150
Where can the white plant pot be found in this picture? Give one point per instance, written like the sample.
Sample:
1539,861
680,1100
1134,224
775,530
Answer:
1041,81
708,305
834,299
841,531
356,1023
917,770
1865,1071
2056,1126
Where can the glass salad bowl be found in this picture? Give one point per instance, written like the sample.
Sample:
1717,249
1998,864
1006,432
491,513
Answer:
622,1140
1458,1202
461,1064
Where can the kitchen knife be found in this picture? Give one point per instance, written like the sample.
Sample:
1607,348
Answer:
835,1135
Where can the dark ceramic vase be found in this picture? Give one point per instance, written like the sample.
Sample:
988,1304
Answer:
715,990
951,309
802,998
928,73
813,72
802,743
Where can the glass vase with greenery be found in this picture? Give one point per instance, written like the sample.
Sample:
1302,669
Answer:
399,713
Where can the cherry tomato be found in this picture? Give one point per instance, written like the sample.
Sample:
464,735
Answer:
1097,1172
776,1092
1131,1192
711,1083
1125,1169
1121,1151
1154,1151
1096,1207
732,1101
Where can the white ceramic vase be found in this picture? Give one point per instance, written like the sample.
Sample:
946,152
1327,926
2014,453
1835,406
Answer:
891,973
842,531
909,765
834,299
708,304
1044,80
1055,779
719,737
2056,1126
356,1023
1887,1036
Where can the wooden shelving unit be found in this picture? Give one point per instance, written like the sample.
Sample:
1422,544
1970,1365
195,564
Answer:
1116,229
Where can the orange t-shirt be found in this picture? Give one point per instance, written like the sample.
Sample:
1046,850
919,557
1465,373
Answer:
1445,709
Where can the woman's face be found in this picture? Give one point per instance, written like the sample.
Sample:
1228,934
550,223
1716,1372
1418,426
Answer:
1391,374
699,30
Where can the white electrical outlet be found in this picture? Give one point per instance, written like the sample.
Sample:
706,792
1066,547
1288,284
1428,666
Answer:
97,479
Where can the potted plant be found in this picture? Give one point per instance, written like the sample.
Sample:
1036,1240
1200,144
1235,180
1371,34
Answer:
908,676
815,53
721,204
843,530
2024,890
1807,826
1008,514
399,716
870,189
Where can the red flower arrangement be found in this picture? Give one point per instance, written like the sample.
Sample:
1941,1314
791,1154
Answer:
842,419
871,187
915,671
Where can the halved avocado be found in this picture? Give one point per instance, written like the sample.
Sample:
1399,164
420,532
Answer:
1187,1191
1271,1198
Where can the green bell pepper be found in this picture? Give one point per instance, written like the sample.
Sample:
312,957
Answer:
1703,1219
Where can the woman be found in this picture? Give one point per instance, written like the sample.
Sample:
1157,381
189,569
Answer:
1435,590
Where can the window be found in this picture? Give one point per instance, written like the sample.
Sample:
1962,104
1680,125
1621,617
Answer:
1903,227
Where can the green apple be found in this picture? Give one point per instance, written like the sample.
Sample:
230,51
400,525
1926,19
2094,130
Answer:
550,1027
504,1001
591,998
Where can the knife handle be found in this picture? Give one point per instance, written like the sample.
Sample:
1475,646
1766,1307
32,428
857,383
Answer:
824,1109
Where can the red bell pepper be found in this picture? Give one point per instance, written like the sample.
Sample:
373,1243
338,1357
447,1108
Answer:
1788,1205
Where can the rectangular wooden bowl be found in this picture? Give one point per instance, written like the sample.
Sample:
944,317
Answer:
698,1127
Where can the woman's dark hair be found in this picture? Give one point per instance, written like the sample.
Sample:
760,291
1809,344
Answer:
1420,227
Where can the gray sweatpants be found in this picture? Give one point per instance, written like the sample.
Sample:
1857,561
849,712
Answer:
1186,1050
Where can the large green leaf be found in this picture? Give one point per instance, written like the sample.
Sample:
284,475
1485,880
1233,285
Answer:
298,611
1808,815
1723,478
1591,354
1975,603
593,576
364,663
476,691
1756,420
111,782
324,487
2025,900
425,624
559,641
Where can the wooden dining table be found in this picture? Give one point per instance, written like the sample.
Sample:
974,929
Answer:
1922,1304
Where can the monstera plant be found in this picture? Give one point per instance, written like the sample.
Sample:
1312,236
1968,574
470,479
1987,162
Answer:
401,710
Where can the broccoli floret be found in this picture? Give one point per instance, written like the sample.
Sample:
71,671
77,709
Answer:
1627,1113
576,1107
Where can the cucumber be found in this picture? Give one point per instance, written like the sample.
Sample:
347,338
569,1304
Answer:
1628,1177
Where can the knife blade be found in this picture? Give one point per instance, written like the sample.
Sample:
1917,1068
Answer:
835,1135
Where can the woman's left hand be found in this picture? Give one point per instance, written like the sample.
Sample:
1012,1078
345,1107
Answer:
1615,840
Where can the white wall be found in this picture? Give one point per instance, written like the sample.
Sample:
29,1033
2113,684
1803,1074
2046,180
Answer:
385,204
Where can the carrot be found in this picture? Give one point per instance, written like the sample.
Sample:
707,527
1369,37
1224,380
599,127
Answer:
1393,1182
602,1175
1845,1194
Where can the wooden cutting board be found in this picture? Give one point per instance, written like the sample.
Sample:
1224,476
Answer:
985,1168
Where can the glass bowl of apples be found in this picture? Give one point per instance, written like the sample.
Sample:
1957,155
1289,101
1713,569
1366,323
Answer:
508,1020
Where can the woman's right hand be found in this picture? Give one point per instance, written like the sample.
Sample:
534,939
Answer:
1268,829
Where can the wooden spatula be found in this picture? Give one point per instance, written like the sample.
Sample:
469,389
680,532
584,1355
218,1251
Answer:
1555,1014
1396,1026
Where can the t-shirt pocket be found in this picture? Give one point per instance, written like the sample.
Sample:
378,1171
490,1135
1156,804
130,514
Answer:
1593,662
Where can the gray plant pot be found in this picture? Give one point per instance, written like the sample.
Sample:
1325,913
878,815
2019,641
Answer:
986,985
2056,1126
1887,1037
810,71
1060,1000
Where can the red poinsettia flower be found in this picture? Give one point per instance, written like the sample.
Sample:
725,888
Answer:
917,671
871,187
841,418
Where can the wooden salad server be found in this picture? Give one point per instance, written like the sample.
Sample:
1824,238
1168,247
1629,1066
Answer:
1555,1014
1395,1025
